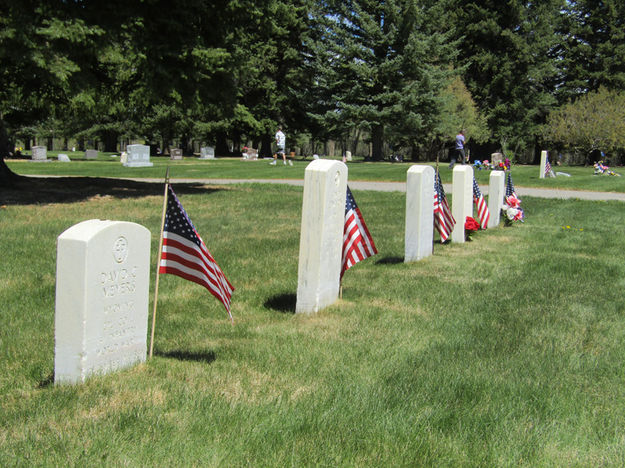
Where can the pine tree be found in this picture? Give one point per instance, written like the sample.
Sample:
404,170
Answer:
508,56
383,70
592,52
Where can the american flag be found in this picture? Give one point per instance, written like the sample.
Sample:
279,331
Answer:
509,186
482,208
185,255
444,221
548,169
357,242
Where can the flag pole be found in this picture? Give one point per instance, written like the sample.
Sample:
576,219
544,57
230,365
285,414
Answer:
158,262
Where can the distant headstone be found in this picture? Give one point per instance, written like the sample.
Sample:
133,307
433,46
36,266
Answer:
91,154
495,197
39,153
321,235
462,199
63,157
138,156
496,158
207,152
102,282
315,156
175,153
419,213
543,166
348,155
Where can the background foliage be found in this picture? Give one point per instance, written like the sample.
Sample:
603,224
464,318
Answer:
229,72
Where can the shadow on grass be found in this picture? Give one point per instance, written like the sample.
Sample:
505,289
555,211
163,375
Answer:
206,357
390,261
47,382
284,303
36,190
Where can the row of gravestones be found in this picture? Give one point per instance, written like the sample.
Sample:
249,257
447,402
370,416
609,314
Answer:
137,155
102,275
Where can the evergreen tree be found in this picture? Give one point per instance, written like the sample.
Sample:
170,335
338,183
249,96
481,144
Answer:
383,71
592,51
508,56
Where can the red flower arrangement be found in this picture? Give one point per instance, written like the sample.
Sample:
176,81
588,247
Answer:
470,226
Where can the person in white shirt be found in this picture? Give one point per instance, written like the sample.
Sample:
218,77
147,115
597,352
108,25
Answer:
280,148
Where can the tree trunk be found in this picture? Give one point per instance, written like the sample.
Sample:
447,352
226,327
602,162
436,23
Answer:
221,148
110,137
186,145
377,139
50,144
265,147
7,176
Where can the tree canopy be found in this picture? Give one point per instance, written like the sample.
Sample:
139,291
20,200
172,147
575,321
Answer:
398,73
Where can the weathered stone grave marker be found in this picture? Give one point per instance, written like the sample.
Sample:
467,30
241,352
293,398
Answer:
63,157
138,156
91,154
321,236
419,213
496,158
462,199
39,153
102,282
175,153
207,152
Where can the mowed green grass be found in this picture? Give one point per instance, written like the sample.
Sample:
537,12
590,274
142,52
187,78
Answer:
504,351
582,178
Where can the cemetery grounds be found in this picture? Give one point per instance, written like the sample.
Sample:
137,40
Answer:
507,350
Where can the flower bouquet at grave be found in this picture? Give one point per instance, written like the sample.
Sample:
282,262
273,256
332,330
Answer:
511,210
602,169
470,226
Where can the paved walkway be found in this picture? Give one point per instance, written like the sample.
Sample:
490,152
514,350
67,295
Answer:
401,187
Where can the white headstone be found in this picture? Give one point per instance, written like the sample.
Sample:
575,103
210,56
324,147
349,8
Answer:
63,157
495,197
462,199
543,163
39,153
348,155
207,152
419,235
102,282
175,153
91,154
138,156
321,236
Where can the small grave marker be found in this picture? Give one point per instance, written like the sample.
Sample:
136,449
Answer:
419,233
91,154
462,199
321,235
207,152
495,197
138,156
39,153
102,282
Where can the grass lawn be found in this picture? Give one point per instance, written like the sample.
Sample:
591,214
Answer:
504,351
582,178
